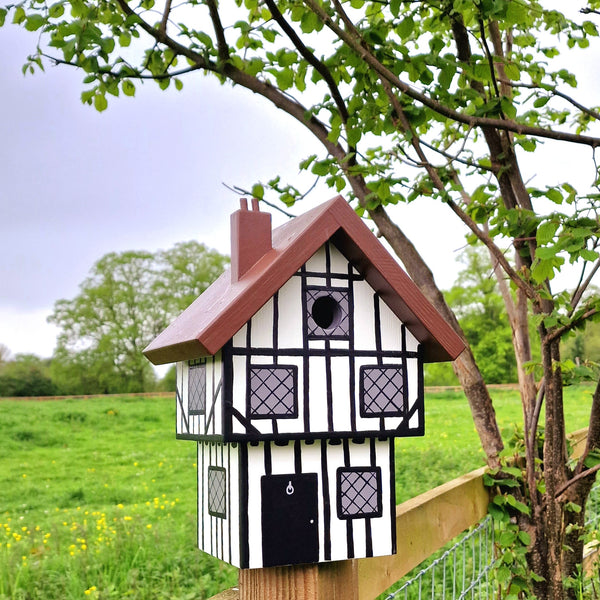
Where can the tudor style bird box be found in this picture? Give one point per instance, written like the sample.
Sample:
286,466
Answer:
296,370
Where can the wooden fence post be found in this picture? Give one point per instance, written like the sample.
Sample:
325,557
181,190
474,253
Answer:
326,581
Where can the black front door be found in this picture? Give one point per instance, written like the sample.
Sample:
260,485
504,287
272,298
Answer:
290,525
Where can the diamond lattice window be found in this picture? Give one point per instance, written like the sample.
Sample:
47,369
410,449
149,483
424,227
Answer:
273,392
359,492
382,391
217,495
197,387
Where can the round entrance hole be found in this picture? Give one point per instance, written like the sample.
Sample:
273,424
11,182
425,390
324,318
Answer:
326,312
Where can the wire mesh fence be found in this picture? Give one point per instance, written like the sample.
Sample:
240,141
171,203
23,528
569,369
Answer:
464,569
459,572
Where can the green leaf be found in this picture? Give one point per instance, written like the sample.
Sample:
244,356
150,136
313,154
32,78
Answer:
284,78
87,96
512,71
587,254
34,22
528,144
128,87
3,13
507,538
508,108
590,28
514,471
269,35
100,102
542,270
124,39
56,10
321,168
446,75
545,232
353,136
19,15
555,195
539,102
258,191
498,514
517,13
307,162
525,538
405,27
512,501
310,22
592,459
395,7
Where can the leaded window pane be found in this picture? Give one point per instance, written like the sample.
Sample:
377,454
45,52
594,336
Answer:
273,392
197,387
382,391
359,492
217,494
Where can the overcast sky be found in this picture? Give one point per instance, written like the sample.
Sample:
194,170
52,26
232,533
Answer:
145,174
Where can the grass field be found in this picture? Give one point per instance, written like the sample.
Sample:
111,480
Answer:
98,498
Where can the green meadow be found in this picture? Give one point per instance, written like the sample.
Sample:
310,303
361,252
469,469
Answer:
98,498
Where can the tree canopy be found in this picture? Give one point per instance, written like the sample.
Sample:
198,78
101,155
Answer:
26,375
405,99
127,299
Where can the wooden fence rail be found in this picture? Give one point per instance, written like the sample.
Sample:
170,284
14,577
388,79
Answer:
424,524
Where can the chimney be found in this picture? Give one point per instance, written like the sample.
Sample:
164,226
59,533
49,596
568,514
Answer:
250,238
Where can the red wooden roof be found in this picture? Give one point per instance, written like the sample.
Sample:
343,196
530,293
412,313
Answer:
213,318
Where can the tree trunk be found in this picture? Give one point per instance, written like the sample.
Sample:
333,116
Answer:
554,466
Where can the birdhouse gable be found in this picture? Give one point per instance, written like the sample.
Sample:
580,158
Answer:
211,321
325,356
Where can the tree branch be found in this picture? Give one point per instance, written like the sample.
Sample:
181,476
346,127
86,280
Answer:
489,57
133,74
563,488
496,37
242,192
495,251
165,17
555,92
582,287
453,158
593,437
473,121
560,331
310,58
223,47
262,88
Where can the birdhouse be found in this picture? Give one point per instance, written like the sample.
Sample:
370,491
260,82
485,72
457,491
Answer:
296,371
